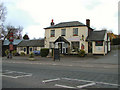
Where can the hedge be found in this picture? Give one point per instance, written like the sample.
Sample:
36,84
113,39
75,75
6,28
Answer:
44,52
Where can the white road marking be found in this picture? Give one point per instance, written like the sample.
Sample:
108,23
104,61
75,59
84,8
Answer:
86,85
64,86
8,71
9,76
77,80
108,83
91,81
50,80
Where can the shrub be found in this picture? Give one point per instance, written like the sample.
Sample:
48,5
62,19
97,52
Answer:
44,52
14,52
116,41
22,54
7,52
31,55
81,53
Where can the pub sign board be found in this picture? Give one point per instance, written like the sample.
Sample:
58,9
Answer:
56,54
11,47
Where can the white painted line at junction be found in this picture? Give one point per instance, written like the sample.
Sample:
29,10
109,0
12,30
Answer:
108,83
16,76
64,86
8,71
77,80
9,76
86,85
92,81
50,80
23,76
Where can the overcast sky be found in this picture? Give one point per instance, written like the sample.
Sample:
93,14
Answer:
35,15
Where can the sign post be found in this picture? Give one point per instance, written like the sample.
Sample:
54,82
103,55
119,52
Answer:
11,44
56,54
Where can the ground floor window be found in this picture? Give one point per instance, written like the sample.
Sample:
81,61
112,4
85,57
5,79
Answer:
75,46
99,43
34,48
21,48
24,49
31,49
51,45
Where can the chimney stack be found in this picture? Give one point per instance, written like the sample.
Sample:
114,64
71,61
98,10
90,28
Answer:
88,22
52,23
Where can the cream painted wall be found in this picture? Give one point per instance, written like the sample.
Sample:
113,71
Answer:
19,51
82,30
97,49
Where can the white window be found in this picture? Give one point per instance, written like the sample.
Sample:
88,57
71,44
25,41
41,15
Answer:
75,46
52,33
34,48
63,32
21,49
51,45
75,31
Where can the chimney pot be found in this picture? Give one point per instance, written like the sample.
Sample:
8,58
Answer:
88,22
52,23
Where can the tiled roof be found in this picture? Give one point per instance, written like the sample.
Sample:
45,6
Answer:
67,24
15,42
32,43
96,35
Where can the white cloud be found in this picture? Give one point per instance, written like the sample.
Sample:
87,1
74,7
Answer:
34,31
37,14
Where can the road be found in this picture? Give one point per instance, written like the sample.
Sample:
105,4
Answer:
38,75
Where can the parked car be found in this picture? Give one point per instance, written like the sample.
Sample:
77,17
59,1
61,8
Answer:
36,52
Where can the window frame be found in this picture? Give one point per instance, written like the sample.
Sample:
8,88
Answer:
73,47
52,33
31,49
98,43
63,32
50,45
75,31
34,48
24,49
21,49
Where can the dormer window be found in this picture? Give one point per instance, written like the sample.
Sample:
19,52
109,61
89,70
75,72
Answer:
52,33
75,31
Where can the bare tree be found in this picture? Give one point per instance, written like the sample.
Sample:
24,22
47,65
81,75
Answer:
17,32
3,12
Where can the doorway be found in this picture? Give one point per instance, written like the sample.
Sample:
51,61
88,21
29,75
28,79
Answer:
89,47
27,49
60,47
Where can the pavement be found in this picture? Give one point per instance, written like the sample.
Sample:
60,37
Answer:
93,61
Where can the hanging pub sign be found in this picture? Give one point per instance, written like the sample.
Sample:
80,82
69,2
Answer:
11,37
10,47
82,46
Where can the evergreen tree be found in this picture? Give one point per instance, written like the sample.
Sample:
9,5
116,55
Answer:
26,37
